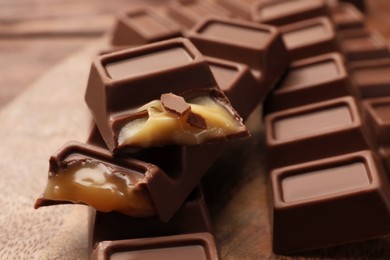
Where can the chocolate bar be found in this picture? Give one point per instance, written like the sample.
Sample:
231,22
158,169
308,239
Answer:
311,80
309,38
188,12
172,66
239,85
346,16
258,46
281,12
363,44
328,202
371,77
141,26
315,131
377,117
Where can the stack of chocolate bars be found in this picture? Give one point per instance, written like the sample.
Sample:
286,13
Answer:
177,86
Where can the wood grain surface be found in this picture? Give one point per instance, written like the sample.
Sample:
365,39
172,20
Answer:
51,112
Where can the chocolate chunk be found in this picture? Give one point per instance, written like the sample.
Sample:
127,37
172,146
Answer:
377,116
281,12
238,84
260,47
346,16
363,44
196,120
315,131
188,12
371,77
310,38
329,202
141,26
175,104
311,80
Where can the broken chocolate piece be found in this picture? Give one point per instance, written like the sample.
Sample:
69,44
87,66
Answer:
86,174
175,104
196,120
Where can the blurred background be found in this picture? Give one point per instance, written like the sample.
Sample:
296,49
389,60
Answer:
36,34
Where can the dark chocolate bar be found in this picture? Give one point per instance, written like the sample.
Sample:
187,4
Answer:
311,80
315,131
346,16
372,77
141,26
258,46
172,66
188,12
363,44
309,38
329,202
281,12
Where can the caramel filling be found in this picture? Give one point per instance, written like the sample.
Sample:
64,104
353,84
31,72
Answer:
100,186
163,127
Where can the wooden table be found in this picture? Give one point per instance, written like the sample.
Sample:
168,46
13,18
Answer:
41,117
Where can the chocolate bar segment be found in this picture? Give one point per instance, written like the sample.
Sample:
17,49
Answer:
346,16
141,26
309,81
377,117
309,38
329,202
363,44
154,180
239,85
241,8
315,131
188,12
281,12
372,77
188,230
258,46
146,73
86,174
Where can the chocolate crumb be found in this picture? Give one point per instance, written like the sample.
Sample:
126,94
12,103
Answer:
175,104
196,120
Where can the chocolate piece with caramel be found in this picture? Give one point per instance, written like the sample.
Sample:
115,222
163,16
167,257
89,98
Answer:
146,72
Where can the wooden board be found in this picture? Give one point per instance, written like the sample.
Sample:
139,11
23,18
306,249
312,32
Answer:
52,111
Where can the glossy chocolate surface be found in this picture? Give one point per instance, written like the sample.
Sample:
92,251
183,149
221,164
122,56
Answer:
241,8
328,202
141,26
